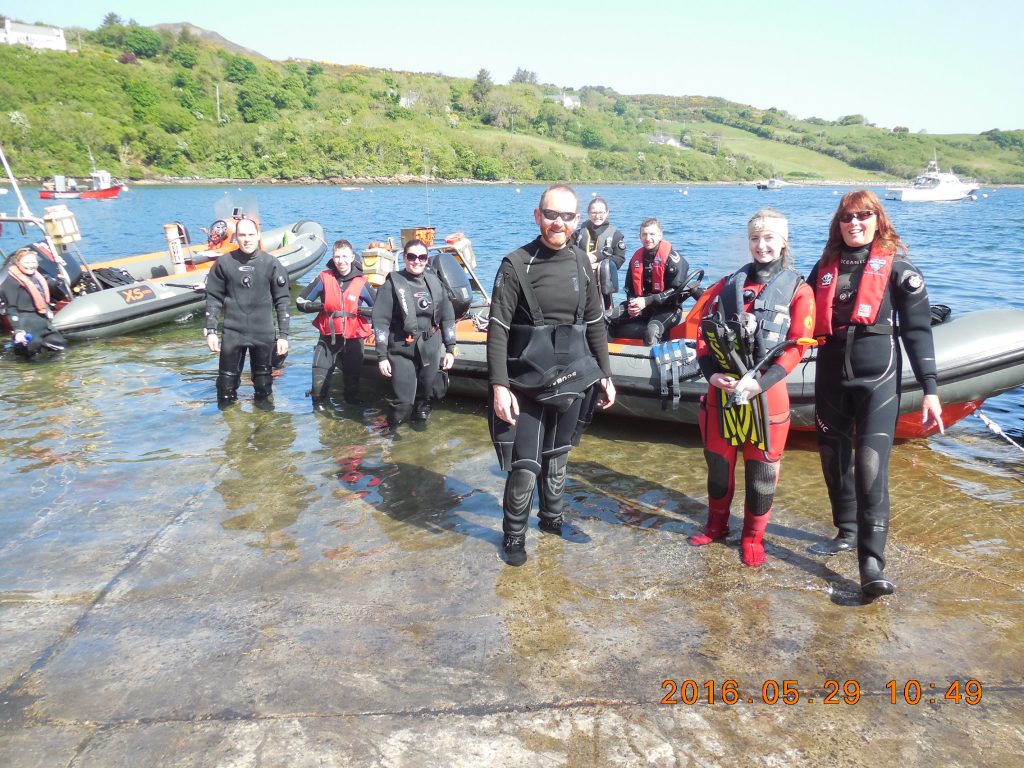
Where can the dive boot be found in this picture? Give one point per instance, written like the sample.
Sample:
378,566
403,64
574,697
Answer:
872,581
551,525
751,541
514,547
716,528
841,543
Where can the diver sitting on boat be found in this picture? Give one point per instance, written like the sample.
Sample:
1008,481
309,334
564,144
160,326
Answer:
604,245
655,289
26,298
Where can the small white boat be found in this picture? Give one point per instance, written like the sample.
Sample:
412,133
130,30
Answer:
771,184
934,186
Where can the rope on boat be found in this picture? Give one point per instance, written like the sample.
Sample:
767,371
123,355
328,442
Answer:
997,429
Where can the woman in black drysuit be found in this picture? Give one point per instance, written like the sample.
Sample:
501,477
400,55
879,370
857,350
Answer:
868,296
413,319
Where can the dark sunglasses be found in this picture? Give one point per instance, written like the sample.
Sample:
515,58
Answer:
417,256
551,215
849,216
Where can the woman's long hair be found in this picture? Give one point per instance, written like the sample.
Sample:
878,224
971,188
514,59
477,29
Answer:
862,200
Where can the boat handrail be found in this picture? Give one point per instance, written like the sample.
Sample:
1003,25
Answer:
23,209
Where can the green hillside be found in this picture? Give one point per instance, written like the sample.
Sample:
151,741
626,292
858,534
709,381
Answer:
169,103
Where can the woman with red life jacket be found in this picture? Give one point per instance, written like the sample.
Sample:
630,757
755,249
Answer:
25,297
868,297
746,348
336,296
655,289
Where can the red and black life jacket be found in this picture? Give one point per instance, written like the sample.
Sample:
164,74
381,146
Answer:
340,315
636,269
874,280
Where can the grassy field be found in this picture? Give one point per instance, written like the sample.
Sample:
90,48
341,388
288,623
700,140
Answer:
784,158
494,138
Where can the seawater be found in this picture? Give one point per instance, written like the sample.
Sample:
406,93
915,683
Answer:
168,564
969,251
151,395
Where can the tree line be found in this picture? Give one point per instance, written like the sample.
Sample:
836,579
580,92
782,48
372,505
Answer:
149,103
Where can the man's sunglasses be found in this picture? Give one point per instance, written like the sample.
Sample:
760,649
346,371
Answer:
551,215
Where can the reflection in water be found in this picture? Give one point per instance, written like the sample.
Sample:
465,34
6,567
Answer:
264,487
413,485
414,500
538,601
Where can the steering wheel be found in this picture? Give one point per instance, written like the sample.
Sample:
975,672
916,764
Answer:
692,285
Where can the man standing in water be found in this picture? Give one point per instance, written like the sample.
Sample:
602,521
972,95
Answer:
247,286
548,366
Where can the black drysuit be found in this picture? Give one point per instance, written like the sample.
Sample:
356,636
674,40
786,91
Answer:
247,290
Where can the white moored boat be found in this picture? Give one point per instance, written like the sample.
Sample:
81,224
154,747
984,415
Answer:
933,186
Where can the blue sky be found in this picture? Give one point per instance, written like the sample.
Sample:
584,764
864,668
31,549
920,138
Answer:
945,66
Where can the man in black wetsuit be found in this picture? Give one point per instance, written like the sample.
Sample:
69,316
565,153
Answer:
604,245
413,319
655,289
548,366
247,286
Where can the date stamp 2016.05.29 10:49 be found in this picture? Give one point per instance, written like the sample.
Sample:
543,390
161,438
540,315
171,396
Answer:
790,692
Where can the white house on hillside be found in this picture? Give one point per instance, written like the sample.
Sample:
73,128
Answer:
567,100
14,33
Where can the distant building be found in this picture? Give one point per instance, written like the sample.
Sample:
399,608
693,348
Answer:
51,38
661,138
566,100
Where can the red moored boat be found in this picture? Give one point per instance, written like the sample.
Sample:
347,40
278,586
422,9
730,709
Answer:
102,187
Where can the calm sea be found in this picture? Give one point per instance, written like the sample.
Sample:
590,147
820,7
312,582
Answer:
150,397
167,568
968,251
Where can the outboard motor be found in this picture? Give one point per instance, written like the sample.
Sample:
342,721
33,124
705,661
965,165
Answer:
177,238
217,235
455,280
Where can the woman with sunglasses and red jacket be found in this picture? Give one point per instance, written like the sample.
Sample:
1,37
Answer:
868,297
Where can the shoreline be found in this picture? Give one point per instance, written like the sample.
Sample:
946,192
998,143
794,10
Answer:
410,180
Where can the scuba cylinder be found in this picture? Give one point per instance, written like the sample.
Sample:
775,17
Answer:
176,235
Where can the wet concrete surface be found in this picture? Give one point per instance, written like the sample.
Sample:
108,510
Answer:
283,589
